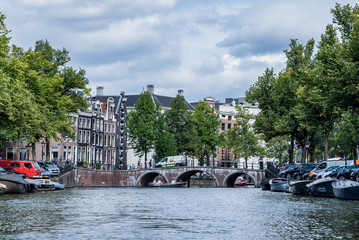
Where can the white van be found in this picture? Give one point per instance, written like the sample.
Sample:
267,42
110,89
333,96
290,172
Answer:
329,163
171,161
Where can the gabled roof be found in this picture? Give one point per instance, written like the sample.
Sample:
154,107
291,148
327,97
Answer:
164,101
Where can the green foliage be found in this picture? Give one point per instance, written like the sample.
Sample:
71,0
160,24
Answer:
165,142
206,125
181,125
242,138
36,94
141,125
98,165
277,148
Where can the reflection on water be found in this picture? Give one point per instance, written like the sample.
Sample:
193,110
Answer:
185,213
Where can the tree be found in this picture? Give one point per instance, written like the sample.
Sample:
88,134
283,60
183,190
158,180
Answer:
141,125
165,142
206,126
241,138
180,125
278,148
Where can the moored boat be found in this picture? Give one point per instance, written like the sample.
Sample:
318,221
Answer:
14,182
46,185
346,189
299,187
167,185
321,187
2,188
265,184
279,185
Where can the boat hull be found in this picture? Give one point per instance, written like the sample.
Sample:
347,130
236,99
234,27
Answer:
265,184
346,189
14,183
167,185
321,188
13,187
299,187
279,185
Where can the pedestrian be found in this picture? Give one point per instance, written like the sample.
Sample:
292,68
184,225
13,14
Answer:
138,164
150,163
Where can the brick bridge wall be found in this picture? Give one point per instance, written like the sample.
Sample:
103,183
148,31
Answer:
224,177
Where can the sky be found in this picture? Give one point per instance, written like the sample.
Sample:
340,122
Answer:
207,48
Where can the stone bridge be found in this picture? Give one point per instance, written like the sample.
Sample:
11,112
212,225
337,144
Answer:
223,177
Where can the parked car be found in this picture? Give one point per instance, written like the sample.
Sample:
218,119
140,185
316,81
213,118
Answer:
289,172
355,175
51,167
326,172
345,174
286,173
334,173
285,167
45,173
305,170
30,168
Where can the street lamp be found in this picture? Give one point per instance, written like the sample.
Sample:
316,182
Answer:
42,150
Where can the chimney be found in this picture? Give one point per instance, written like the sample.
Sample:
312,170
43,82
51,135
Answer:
151,89
99,91
180,92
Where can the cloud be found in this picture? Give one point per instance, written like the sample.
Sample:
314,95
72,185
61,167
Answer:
205,47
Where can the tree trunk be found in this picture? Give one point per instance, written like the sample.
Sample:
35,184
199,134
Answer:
326,143
291,152
304,153
47,150
33,151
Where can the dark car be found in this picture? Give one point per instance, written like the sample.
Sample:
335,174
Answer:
289,172
304,171
334,173
355,175
345,174
285,167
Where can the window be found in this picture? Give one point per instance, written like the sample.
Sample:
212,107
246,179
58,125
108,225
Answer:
23,154
105,127
229,118
223,126
88,137
113,128
229,126
10,153
80,132
27,165
15,165
65,151
88,123
55,153
84,136
80,122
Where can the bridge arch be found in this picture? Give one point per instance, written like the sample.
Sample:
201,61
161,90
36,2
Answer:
148,177
185,176
231,178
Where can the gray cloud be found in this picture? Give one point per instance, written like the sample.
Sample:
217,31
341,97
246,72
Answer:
205,47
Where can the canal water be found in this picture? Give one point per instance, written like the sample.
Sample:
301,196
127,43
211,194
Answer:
183,213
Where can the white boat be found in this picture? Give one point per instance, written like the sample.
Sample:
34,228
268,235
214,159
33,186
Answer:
14,182
2,188
279,185
346,189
